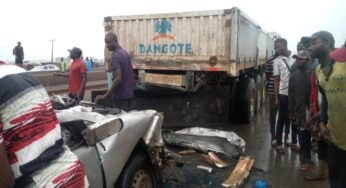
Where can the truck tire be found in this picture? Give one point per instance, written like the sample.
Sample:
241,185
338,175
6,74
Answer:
258,82
247,96
264,90
138,173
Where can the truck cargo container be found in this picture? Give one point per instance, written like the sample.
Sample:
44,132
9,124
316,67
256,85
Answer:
203,67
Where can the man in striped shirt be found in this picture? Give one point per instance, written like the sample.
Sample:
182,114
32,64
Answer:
271,94
32,151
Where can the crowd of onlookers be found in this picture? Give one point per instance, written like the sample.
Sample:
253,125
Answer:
307,95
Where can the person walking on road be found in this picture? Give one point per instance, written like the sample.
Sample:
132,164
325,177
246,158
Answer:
281,75
32,151
77,75
123,79
18,53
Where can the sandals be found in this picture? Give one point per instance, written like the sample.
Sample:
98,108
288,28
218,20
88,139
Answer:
273,142
295,147
280,149
315,177
305,167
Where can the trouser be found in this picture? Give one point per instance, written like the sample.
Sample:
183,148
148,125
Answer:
337,166
272,114
123,104
19,61
283,120
322,150
305,145
294,133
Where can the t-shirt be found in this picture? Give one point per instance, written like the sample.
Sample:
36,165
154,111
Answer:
77,68
335,92
269,75
121,60
31,134
280,68
88,66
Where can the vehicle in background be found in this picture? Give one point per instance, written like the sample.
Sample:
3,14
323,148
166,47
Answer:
52,68
204,67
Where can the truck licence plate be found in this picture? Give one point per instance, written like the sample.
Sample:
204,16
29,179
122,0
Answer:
175,80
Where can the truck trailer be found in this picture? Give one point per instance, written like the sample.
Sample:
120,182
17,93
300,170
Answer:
199,68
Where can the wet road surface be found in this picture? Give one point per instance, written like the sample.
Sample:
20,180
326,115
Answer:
277,170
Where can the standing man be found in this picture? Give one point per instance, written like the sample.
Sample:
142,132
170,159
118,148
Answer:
88,64
62,65
18,53
299,106
331,76
271,94
32,151
77,75
123,81
281,78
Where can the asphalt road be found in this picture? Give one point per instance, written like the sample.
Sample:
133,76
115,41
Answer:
275,169
278,171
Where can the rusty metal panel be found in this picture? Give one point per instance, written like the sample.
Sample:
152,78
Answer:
270,45
185,41
174,37
262,48
248,33
175,80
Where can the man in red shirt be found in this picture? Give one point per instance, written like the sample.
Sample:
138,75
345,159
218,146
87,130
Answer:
77,75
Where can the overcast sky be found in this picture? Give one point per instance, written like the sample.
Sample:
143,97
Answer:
80,22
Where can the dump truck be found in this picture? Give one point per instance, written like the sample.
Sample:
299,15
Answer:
199,68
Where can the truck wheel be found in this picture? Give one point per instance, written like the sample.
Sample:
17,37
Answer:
258,92
247,94
138,173
264,90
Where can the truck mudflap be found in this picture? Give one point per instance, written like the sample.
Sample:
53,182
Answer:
207,107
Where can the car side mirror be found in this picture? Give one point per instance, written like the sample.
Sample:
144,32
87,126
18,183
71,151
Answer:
102,130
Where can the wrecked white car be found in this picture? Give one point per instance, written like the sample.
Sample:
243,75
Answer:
121,150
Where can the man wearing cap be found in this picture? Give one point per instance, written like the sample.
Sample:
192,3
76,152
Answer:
298,105
121,90
331,76
281,75
77,75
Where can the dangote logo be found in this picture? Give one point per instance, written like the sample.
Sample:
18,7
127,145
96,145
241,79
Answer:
158,44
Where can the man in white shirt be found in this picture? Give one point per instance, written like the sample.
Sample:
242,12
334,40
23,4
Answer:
281,73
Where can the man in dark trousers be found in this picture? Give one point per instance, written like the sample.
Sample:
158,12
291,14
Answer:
281,75
121,90
299,105
18,53
271,94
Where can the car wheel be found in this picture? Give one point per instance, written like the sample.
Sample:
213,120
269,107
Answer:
138,173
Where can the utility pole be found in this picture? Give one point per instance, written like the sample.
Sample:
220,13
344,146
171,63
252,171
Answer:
52,41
